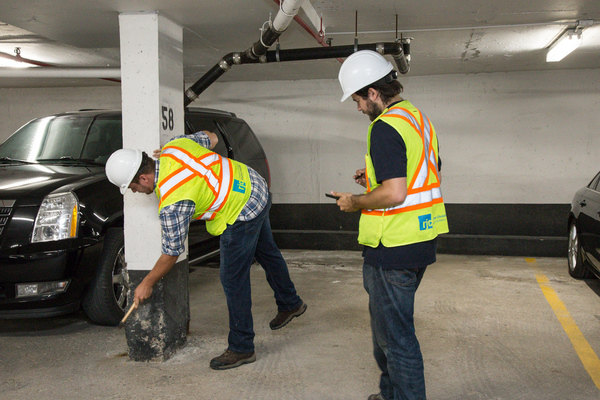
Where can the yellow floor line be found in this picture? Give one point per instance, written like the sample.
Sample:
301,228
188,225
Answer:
583,349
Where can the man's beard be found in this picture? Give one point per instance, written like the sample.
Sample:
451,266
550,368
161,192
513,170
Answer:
373,110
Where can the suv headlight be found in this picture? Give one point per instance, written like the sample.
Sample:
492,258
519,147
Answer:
57,218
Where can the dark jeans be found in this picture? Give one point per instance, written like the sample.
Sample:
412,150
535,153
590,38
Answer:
395,344
241,243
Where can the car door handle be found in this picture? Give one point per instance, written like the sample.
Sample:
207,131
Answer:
582,203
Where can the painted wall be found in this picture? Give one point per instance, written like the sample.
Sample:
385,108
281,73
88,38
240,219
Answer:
526,137
19,106
530,137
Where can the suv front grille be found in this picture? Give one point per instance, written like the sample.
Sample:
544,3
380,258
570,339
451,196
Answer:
6,207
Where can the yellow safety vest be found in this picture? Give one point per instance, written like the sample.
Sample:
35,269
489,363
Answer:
422,215
219,187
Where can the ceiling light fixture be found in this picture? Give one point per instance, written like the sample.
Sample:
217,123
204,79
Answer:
564,45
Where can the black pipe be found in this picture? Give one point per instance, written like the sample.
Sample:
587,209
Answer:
395,49
406,48
252,54
315,53
203,83
319,53
268,37
400,59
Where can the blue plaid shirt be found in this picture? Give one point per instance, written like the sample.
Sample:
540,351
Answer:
175,218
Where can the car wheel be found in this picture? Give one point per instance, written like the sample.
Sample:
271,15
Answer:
106,298
577,269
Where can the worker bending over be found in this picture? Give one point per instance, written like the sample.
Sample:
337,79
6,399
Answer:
192,182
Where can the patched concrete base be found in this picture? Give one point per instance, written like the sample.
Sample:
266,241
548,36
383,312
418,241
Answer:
159,327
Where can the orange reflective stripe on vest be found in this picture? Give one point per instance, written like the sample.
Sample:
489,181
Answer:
199,167
420,192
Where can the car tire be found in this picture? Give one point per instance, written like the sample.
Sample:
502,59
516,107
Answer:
106,298
577,268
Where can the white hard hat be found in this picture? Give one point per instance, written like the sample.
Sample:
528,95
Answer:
121,167
361,69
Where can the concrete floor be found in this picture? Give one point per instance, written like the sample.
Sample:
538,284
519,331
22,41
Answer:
486,328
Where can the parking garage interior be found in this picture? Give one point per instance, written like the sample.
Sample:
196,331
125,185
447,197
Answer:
498,315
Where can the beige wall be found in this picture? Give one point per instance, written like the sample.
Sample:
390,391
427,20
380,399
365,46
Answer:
19,106
530,137
525,137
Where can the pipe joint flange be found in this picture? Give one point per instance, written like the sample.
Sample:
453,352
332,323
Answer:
191,95
263,59
380,48
224,65
237,58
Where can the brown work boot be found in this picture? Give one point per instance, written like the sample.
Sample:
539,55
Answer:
377,396
283,317
231,359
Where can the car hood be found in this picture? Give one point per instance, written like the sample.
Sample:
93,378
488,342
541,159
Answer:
30,183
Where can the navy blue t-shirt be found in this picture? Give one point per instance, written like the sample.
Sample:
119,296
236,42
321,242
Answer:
388,154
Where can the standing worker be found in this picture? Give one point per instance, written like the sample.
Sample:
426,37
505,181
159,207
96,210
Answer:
402,214
192,182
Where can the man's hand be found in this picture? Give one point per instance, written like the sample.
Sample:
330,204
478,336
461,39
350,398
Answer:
142,292
345,202
390,193
214,139
161,268
360,177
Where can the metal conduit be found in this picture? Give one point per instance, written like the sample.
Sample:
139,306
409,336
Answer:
394,49
287,11
397,50
50,71
113,74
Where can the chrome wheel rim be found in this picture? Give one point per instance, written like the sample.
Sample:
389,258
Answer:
573,247
120,280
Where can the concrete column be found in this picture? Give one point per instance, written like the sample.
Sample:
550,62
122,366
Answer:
152,104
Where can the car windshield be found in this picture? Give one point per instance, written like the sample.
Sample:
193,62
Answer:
64,139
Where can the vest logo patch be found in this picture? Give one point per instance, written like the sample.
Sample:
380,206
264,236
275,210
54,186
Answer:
239,186
425,222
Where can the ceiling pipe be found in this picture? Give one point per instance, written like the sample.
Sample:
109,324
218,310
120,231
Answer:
258,53
20,59
113,74
320,39
395,49
461,28
287,10
109,74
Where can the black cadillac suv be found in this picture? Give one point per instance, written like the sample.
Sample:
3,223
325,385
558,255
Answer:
61,220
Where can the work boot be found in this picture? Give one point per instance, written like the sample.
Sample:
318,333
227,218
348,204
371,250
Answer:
283,317
377,396
231,359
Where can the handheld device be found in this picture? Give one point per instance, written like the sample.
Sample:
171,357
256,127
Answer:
332,196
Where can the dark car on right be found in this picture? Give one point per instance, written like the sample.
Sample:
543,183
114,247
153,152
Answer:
584,232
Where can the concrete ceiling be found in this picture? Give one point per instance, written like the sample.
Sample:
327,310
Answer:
449,37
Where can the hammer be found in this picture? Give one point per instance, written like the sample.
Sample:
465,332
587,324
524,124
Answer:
122,323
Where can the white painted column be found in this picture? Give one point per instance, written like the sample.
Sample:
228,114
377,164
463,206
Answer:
152,99
152,104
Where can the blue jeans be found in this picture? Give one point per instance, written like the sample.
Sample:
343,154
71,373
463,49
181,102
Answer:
241,243
395,344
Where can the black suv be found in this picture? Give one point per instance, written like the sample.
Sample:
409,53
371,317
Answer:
61,220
